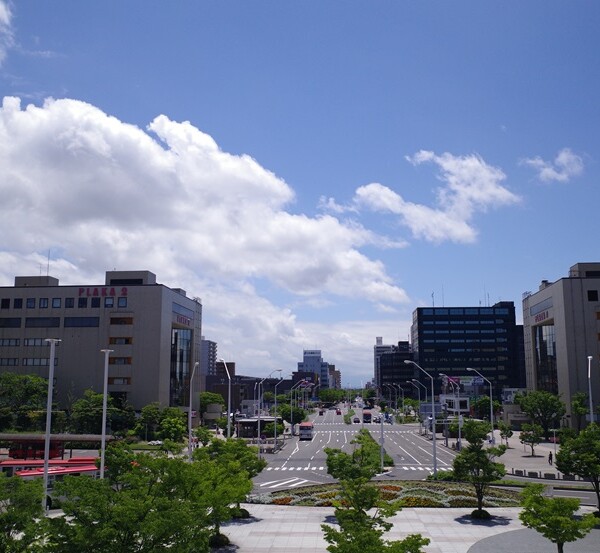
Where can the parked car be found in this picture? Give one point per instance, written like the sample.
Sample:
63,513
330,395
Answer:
338,411
376,419
321,412
356,419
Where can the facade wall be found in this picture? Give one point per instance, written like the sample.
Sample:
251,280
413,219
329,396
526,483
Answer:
154,332
568,313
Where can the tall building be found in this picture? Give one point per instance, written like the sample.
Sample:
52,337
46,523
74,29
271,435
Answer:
561,330
208,357
448,340
378,350
153,331
313,363
394,372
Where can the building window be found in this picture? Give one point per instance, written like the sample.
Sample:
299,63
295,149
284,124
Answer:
126,381
122,302
9,362
43,303
30,303
592,295
82,303
120,341
42,322
56,303
18,303
69,303
10,322
35,342
38,361
95,302
5,303
121,320
9,342
120,361
109,302
81,322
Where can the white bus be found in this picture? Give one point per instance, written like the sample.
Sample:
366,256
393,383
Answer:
305,431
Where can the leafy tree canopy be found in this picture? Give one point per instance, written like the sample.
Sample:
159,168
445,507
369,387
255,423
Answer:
542,408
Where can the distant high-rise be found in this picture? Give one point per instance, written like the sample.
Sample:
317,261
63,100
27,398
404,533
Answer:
208,357
449,340
313,363
378,350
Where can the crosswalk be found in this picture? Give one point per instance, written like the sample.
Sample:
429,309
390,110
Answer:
422,468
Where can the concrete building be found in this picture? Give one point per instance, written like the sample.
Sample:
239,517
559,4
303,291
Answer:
313,363
561,330
208,357
394,372
449,340
378,350
153,331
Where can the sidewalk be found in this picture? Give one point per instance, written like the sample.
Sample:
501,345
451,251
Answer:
290,529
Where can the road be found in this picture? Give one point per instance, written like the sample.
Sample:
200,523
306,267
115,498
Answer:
301,463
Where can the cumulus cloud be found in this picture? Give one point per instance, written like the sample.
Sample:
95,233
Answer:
469,186
565,166
6,32
99,194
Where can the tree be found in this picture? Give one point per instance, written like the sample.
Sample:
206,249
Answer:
173,427
86,413
147,503
476,463
531,434
505,431
21,394
580,455
542,408
481,407
148,422
579,407
554,517
206,398
20,511
361,513
295,415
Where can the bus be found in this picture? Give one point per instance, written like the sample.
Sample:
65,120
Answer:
34,449
11,466
305,431
366,415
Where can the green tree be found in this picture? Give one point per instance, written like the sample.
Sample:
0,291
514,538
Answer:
86,413
476,464
531,435
146,504
147,425
505,431
203,434
20,394
20,511
542,408
206,398
481,407
554,517
580,455
360,513
579,408
295,415
173,427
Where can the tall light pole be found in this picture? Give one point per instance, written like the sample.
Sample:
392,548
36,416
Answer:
190,413
590,388
275,388
433,433
260,404
401,390
423,385
106,353
52,342
491,401
291,404
228,397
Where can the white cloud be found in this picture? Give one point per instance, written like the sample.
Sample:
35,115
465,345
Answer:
6,32
101,194
566,165
470,186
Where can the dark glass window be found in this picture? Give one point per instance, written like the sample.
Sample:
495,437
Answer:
10,322
43,303
82,303
95,302
72,322
56,303
42,322
592,295
69,303
122,302
5,303
18,303
109,302
30,303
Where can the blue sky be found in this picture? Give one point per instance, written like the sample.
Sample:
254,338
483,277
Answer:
314,171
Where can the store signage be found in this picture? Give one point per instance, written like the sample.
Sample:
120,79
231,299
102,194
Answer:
104,291
541,316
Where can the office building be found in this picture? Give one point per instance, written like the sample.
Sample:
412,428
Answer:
153,331
378,350
448,340
561,330
313,363
208,357
394,372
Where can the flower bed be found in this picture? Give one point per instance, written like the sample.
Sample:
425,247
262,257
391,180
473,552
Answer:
412,494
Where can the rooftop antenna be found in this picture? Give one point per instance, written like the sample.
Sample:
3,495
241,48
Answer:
432,299
48,264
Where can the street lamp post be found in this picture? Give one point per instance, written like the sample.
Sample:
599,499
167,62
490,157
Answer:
493,441
292,404
423,385
419,396
456,392
107,353
280,381
228,397
433,433
190,413
260,404
401,390
52,342
590,388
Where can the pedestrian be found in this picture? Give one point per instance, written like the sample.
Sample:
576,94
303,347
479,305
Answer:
550,458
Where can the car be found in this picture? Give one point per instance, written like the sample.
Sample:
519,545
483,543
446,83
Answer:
356,419
321,412
376,419
338,411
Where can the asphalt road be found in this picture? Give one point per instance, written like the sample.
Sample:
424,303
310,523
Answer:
301,463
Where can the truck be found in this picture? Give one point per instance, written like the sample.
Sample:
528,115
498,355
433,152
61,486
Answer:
366,415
